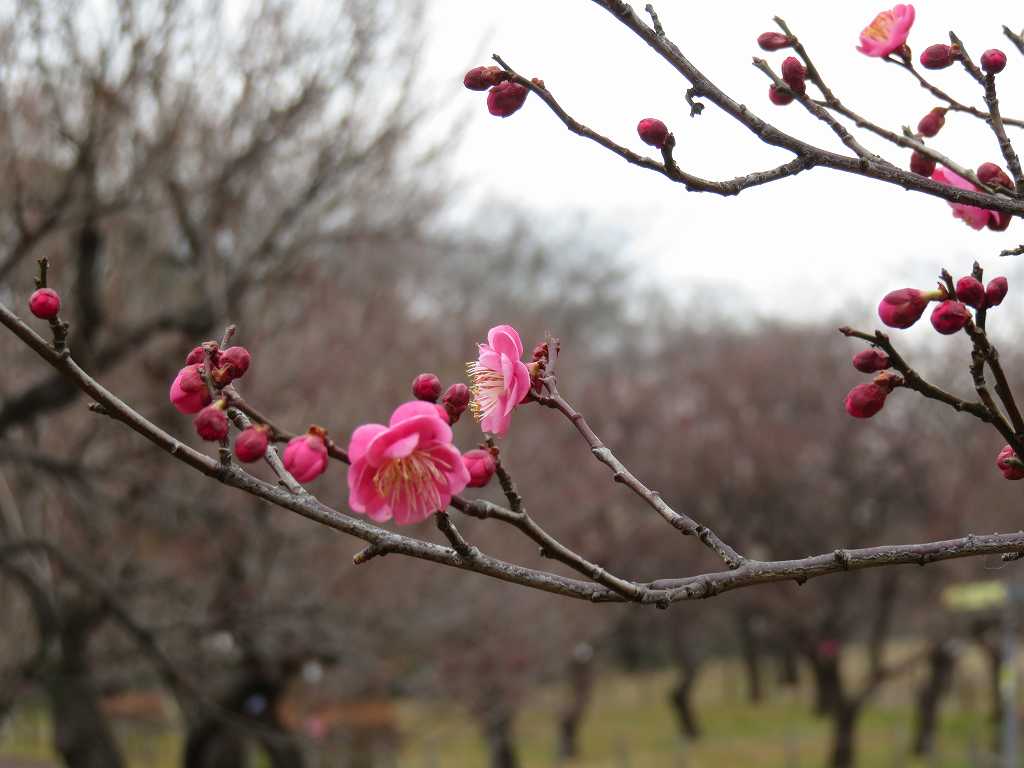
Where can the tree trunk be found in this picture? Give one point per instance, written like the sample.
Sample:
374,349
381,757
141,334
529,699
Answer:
81,731
750,649
827,690
789,672
500,742
682,702
581,681
941,662
844,722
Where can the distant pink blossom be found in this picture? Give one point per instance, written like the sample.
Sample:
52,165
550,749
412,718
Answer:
500,380
888,32
971,215
305,456
407,470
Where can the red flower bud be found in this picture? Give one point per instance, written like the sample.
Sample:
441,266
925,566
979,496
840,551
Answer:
971,292
482,78
251,443
44,303
903,308
427,387
773,41
871,361
1010,471
455,401
305,456
778,96
994,176
189,392
998,221
949,317
995,292
937,56
506,98
236,360
211,422
993,61
865,400
932,123
795,74
922,165
652,131
481,466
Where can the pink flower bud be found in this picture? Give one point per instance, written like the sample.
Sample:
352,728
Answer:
305,456
652,131
903,308
456,400
778,96
971,292
773,41
871,361
795,74
189,392
44,303
506,98
937,56
251,443
481,466
865,400
998,221
197,355
995,292
922,165
427,387
1010,471
236,360
212,423
932,123
994,176
993,61
482,78
950,316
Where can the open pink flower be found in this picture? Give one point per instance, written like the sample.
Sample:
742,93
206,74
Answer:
887,32
500,380
971,215
407,470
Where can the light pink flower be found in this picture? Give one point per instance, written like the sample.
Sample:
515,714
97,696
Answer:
500,380
971,215
305,456
189,392
887,32
407,470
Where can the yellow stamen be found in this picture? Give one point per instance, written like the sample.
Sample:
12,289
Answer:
412,481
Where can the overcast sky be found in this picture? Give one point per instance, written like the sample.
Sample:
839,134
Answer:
801,247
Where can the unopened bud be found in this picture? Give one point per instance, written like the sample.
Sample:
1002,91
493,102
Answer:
236,360
1009,464
871,361
251,443
426,387
994,176
482,78
998,220
795,74
773,41
652,131
903,308
995,291
922,165
189,392
481,467
970,291
506,98
779,96
932,123
865,400
950,316
937,56
212,423
993,61
455,401
44,303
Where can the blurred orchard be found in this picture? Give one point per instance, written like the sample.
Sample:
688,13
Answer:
175,169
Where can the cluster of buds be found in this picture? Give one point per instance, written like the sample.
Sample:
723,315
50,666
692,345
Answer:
454,402
794,75
504,97
903,308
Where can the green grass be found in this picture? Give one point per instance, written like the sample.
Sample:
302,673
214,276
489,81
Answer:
629,724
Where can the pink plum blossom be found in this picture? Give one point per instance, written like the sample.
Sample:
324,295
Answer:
971,215
189,392
888,32
407,470
500,380
305,456
480,465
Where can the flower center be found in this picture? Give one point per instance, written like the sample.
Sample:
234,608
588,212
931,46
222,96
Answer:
412,481
487,387
881,27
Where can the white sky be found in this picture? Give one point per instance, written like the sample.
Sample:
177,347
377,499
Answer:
802,247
